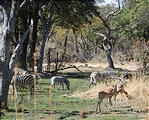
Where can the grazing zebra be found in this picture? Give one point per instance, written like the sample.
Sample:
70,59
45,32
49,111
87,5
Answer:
22,81
93,78
100,77
60,80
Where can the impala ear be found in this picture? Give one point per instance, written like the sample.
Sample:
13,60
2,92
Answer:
121,86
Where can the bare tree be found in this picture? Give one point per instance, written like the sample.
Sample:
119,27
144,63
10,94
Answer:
107,45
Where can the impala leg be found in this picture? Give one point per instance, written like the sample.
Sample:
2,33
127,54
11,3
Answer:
106,82
110,102
98,105
114,97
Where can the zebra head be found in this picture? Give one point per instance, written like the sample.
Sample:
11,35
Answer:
67,84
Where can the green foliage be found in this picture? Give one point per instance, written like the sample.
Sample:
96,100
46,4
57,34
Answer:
136,20
72,14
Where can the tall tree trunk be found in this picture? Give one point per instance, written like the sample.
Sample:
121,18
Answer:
49,59
75,42
4,71
26,22
34,33
44,39
46,28
7,64
107,45
6,23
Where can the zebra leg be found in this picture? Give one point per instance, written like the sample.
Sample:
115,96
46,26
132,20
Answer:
31,90
67,85
62,85
59,87
91,81
95,81
14,91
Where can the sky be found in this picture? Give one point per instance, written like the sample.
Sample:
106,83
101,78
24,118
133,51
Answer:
109,2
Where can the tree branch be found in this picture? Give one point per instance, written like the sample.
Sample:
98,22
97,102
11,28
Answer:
102,35
22,3
11,18
70,66
115,13
16,51
105,21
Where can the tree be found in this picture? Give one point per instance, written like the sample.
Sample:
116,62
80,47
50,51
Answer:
136,16
5,71
67,14
25,16
33,41
46,28
7,62
107,45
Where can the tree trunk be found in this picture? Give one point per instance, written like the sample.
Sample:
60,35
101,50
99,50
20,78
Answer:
44,39
34,34
75,42
7,64
23,56
4,71
46,28
110,61
108,49
49,59
6,23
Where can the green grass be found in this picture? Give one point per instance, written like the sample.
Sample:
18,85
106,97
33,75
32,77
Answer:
63,106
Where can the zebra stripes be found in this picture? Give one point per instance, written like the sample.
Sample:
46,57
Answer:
100,77
22,81
60,80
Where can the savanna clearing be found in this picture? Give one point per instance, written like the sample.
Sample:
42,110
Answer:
80,101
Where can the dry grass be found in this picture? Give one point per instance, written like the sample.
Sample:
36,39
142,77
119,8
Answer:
137,89
89,67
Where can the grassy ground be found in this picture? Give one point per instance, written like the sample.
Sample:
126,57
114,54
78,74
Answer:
64,106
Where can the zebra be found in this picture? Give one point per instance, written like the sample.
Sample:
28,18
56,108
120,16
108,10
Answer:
60,80
22,81
100,77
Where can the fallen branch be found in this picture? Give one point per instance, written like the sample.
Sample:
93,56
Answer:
70,66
